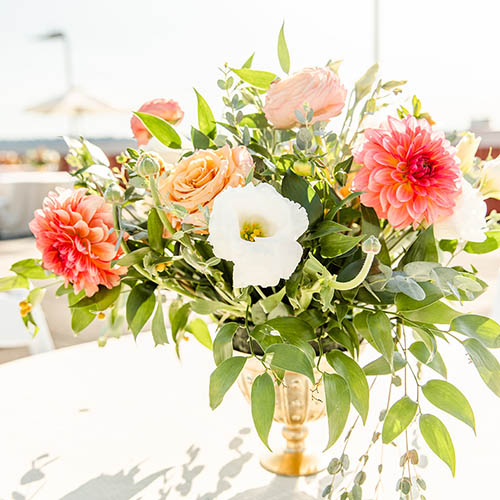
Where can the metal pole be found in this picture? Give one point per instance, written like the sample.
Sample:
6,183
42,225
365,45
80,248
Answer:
376,30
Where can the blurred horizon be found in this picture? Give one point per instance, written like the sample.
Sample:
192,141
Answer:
125,54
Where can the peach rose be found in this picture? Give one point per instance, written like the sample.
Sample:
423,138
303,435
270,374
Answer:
168,110
319,88
198,179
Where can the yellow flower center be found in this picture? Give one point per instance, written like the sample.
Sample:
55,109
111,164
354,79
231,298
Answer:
250,231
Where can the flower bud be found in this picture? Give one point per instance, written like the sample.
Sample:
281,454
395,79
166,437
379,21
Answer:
148,164
371,245
466,151
302,168
490,179
101,341
113,194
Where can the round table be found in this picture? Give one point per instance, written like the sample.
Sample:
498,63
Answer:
129,421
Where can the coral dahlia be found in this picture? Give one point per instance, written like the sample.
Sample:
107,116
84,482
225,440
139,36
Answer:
72,231
410,173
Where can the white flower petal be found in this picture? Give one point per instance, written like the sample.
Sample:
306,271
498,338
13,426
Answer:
266,260
468,221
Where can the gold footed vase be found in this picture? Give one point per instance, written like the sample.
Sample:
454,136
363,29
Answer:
296,404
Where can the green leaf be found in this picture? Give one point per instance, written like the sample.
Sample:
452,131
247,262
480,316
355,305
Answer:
491,243
296,332
338,402
200,331
360,322
254,120
223,343
223,377
448,398
291,358
283,54
11,282
438,313
297,189
30,268
101,300
381,367
263,402
364,84
486,364
158,327
381,331
80,319
160,129
335,245
205,307
432,294
179,319
133,257
398,418
248,62
271,302
324,228
36,296
155,231
436,362
199,139
206,120
479,327
438,439
353,374
260,79
140,305
370,224
424,248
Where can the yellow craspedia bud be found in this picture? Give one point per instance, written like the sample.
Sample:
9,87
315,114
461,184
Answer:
101,315
161,267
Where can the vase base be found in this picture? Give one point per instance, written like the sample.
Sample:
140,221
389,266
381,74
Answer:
293,464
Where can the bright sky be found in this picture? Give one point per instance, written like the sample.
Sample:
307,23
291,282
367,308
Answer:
128,51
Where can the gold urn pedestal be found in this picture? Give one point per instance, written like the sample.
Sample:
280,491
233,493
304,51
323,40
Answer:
297,402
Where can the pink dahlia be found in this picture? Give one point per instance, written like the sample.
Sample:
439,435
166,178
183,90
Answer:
410,174
72,231
170,111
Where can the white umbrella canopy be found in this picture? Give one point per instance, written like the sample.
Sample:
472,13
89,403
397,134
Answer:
73,102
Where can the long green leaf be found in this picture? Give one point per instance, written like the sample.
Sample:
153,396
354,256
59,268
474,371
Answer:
223,343
381,367
155,231
80,319
297,189
260,79
479,327
355,377
263,402
283,54
200,331
223,377
291,358
438,439
160,129
487,365
159,329
448,398
381,331
100,300
335,245
436,362
338,402
398,418
140,305
206,120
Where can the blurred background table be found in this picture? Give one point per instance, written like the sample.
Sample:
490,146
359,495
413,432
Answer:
21,193
129,421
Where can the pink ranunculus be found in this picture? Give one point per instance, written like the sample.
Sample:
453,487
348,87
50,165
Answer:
410,173
168,110
72,231
319,88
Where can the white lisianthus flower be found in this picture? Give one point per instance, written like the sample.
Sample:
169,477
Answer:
257,228
466,151
468,221
490,179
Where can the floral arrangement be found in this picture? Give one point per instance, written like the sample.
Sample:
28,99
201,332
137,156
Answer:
306,224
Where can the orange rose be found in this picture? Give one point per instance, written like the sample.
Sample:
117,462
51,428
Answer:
197,180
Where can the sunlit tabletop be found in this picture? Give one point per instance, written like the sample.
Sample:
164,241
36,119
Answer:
129,421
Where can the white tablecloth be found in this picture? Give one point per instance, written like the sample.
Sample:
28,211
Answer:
129,421
21,193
